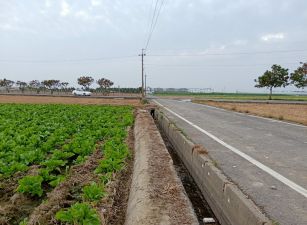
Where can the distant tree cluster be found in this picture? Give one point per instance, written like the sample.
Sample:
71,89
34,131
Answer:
104,84
280,77
35,85
7,84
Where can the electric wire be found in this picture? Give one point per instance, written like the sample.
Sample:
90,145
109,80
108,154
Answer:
226,54
65,60
216,66
154,21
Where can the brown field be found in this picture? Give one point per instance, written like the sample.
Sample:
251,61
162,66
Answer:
288,112
67,100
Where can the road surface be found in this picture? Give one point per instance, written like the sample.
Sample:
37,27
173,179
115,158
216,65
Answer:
266,158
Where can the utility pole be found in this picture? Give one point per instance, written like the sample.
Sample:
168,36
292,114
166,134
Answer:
145,84
143,54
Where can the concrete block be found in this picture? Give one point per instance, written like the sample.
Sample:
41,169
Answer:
226,200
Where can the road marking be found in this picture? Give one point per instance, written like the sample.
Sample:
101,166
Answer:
268,170
250,115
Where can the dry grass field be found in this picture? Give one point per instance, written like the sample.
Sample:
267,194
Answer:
67,100
288,112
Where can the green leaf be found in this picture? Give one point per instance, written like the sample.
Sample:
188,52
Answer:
31,185
93,192
79,214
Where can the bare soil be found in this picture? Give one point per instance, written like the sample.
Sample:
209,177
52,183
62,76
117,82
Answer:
67,100
15,206
63,195
289,112
121,188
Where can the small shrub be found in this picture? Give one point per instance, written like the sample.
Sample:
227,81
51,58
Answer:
281,118
78,214
93,192
31,185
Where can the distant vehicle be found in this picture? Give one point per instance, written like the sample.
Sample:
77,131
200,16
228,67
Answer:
81,93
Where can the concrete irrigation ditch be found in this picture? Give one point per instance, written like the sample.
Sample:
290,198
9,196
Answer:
228,203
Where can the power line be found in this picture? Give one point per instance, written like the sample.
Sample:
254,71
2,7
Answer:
154,20
226,54
64,60
150,19
217,65
151,25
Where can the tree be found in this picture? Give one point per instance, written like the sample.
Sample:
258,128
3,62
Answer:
35,85
276,77
104,84
85,82
7,84
63,86
299,77
22,85
51,84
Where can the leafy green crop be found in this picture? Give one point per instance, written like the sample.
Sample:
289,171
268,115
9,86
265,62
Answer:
79,214
31,185
93,192
53,138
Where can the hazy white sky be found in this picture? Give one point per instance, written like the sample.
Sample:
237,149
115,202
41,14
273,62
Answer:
219,44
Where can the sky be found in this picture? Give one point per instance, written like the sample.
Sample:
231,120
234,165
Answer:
218,44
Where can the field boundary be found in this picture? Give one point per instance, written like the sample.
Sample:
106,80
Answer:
230,205
71,96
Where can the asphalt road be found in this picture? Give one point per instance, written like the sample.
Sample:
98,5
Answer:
266,158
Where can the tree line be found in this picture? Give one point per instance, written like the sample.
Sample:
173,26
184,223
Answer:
104,85
280,77
35,85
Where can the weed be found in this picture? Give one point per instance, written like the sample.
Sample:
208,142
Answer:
24,221
215,163
274,222
233,108
246,111
281,117
144,101
106,178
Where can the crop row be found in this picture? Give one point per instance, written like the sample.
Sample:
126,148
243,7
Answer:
56,137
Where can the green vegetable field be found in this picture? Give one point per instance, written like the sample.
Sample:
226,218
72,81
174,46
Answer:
72,151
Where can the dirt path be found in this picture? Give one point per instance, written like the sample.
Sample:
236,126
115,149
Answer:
67,100
157,195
